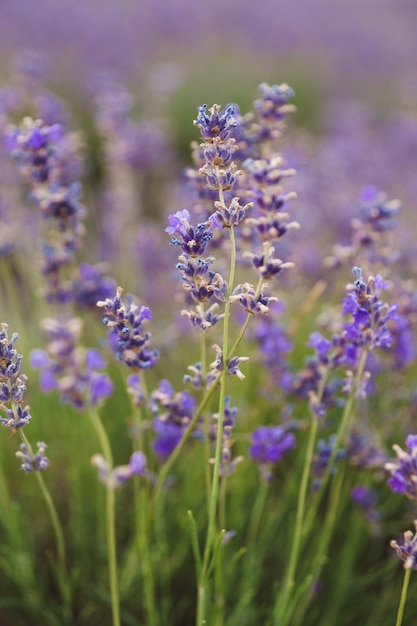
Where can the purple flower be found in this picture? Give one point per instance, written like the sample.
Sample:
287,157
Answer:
33,462
232,364
117,476
168,436
403,470
193,241
228,464
322,457
216,125
377,211
269,444
370,314
199,281
251,302
32,147
91,286
226,216
266,265
173,413
178,222
12,383
35,147
70,369
407,550
135,389
272,105
127,337
366,499
321,345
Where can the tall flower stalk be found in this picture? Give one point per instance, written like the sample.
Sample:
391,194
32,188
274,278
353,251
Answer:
366,330
16,417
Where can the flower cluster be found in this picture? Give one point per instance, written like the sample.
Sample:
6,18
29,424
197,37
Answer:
173,412
369,231
232,364
12,383
199,281
407,550
34,146
272,107
33,462
369,328
140,145
366,499
262,185
366,330
119,475
47,159
403,470
68,368
324,454
12,390
127,337
269,444
250,300
227,464
215,153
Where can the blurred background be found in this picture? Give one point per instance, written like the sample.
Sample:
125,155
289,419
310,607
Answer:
125,77
219,51
130,74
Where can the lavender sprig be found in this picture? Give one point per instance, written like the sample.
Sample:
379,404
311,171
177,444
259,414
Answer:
70,369
404,469
45,158
12,389
127,337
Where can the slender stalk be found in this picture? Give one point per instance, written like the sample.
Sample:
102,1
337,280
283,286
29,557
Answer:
335,492
211,530
252,558
343,428
142,535
289,582
110,518
176,453
403,598
63,580
206,419
299,529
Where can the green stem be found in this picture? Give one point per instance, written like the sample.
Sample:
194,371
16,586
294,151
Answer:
343,428
403,597
163,474
335,492
166,468
110,517
253,557
289,582
56,526
214,497
206,420
142,526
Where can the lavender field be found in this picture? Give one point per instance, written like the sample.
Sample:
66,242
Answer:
208,279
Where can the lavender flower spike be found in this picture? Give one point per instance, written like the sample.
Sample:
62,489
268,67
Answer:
407,551
404,470
33,462
12,383
269,444
119,475
12,389
127,337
